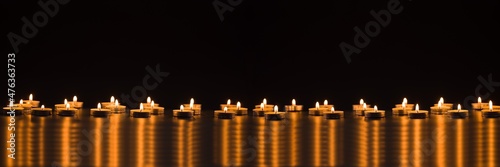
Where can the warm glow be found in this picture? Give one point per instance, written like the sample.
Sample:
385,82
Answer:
11,104
148,100
439,105
74,98
441,100
405,101
264,101
152,104
228,101
112,99
262,106
116,103
325,102
361,102
275,108
375,108
479,100
31,97
67,106
21,101
459,107
491,105
317,105
43,107
99,106
65,101
225,109
364,106
141,107
416,107
333,109
182,107
191,103
403,104
293,102
238,105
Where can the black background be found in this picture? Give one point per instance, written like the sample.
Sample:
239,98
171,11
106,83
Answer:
277,50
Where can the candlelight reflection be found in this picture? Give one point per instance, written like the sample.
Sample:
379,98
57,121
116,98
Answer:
440,140
416,155
114,141
492,142
98,143
185,144
294,138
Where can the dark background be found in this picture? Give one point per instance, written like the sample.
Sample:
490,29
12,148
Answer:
277,50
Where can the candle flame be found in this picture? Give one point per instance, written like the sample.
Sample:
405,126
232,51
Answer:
275,109
293,102
264,101
191,103
238,105
141,107
403,105
416,107
112,99
21,101
459,107
479,100
361,102
152,104
439,105
11,104
116,103
491,105
182,107
228,101
225,109
99,106
317,105
364,106
148,100
375,108
74,98
65,101
31,97
405,101
441,100
262,106
43,107
333,109
67,106
325,102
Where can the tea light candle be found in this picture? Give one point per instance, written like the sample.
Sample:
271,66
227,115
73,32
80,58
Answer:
13,109
111,102
491,112
417,113
116,108
275,115
240,110
141,112
147,105
42,111
224,114
99,112
61,106
24,105
76,104
326,106
67,111
375,113
181,113
294,107
362,105
156,110
261,110
228,105
266,106
440,107
332,114
30,101
479,105
196,108
458,113
361,111
403,108
316,111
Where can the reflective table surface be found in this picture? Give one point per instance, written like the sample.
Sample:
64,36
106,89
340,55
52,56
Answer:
298,140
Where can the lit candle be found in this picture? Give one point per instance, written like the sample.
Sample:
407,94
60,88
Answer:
141,112
293,107
67,111
317,110
240,110
403,108
275,115
196,108
24,105
360,108
107,104
99,111
332,114
116,108
76,104
261,110
224,114
375,113
12,109
42,111
479,105
458,113
182,113
491,112
228,105
441,107
417,113
268,107
33,103
156,110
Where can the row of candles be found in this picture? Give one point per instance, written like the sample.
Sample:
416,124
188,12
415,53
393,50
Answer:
269,111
